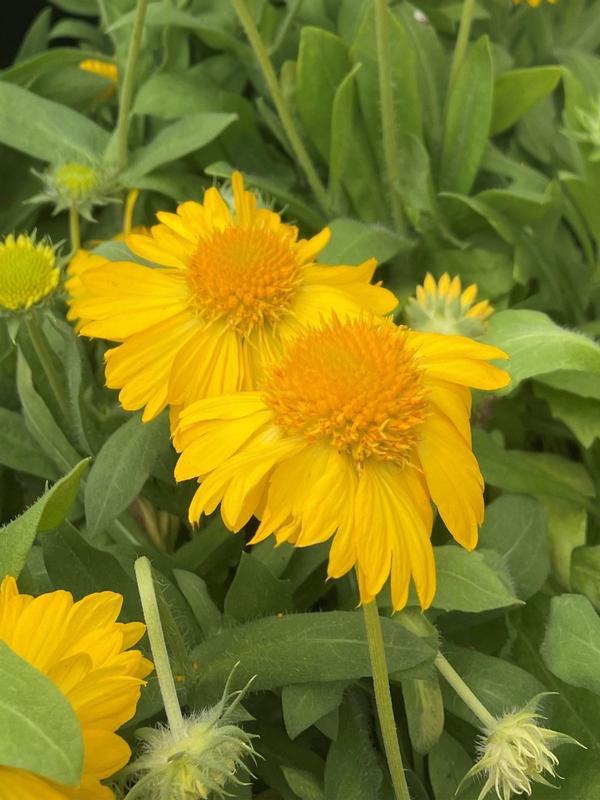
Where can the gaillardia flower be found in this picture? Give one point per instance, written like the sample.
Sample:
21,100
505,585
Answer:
28,272
354,430
517,751
232,287
443,307
534,3
83,650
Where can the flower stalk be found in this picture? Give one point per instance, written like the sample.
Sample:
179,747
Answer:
296,143
145,581
46,359
463,691
462,40
126,93
383,700
74,231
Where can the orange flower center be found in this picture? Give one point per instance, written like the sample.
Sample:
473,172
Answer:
246,275
357,385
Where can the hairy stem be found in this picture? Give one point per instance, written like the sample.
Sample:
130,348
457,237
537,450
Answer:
463,691
126,93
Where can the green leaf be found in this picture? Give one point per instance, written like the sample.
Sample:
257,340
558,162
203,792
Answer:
25,72
516,526
448,764
468,120
19,450
585,573
47,130
580,414
194,589
571,647
256,592
301,648
469,581
176,140
39,731
424,711
73,564
537,345
583,384
36,38
121,469
305,703
518,90
567,525
40,421
304,784
353,242
352,770
17,538
323,63
500,685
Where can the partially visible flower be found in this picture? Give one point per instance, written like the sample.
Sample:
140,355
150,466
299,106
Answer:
356,428
28,272
75,185
82,261
517,751
534,3
233,285
199,761
443,307
83,650
105,69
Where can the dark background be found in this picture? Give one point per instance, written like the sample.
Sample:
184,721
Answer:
15,18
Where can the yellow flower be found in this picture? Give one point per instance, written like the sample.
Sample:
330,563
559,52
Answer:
104,69
443,307
84,652
534,3
82,261
231,289
28,272
355,430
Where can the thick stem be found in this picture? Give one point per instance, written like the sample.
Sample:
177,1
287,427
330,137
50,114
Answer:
130,202
383,700
145,581
126,93
462,40
463,691
74,233
46,359
388,122
296,143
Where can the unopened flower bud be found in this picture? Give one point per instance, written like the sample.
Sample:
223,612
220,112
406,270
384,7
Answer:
443,307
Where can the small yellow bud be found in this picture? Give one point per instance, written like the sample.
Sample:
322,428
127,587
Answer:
444,307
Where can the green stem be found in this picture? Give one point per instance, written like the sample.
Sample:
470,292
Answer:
282,31
388,123
383,700
74,232
463,691
296,143
462,40
46,359
145,581
126,93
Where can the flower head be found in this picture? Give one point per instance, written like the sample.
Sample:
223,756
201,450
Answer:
105,69
232,287
83,650
200,760
28,272
444,307
533,3
517,751
357,427
75,185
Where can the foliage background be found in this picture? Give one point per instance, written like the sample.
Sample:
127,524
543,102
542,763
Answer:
499,181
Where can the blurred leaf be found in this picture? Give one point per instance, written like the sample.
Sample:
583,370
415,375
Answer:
121,468
424,711
466,582
537,345
571,647
256,592
17,538
448,764
585,573
353,242
323,63
36,38
352,770
73,564
580,414
47,130
305,703
566,530
25,72
516,527
176,140
467,120
18,448
301,648
41,732
583,384
518,90
303,784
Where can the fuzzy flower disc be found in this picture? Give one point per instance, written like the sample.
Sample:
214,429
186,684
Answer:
356,429
28,272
